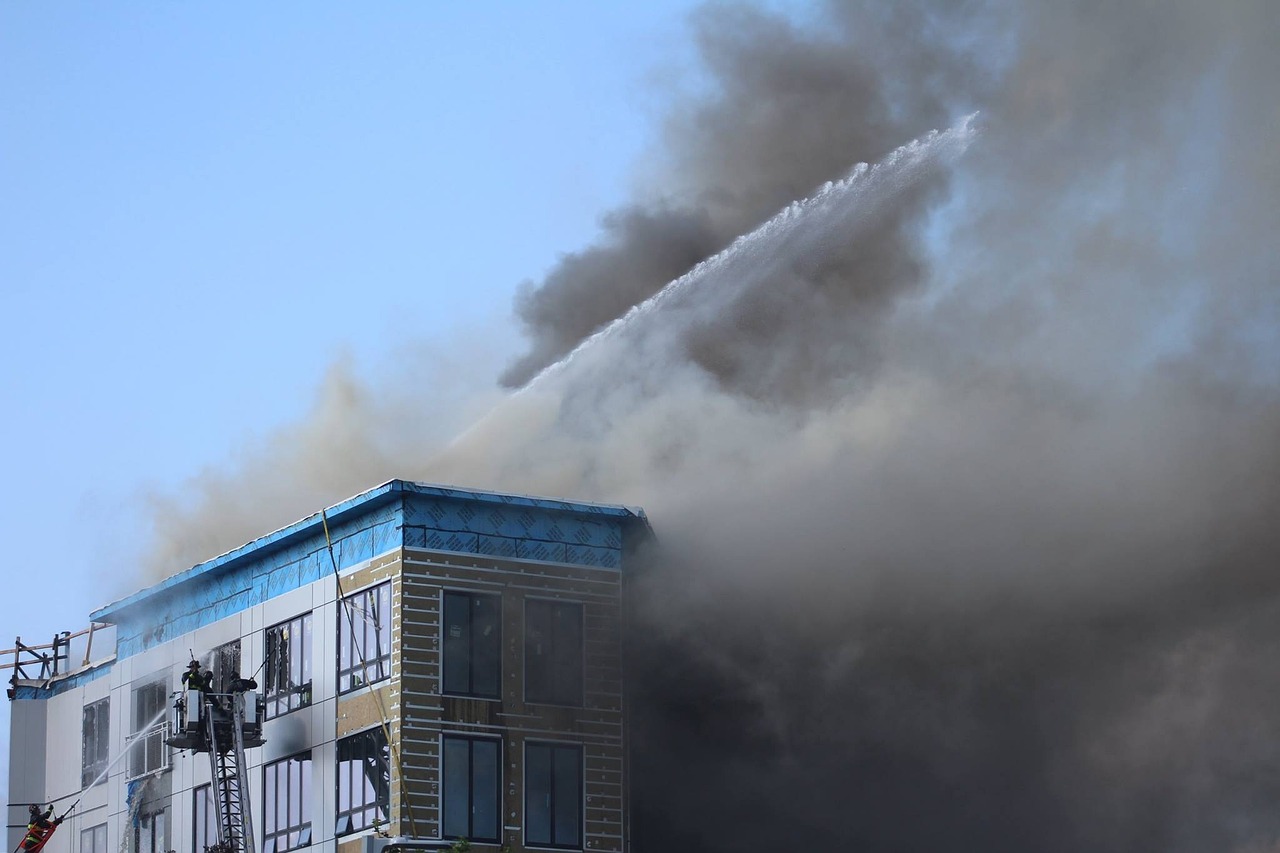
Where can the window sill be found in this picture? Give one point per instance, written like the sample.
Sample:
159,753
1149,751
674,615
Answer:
351,691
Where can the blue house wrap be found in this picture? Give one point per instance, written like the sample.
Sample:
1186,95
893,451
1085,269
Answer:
394,515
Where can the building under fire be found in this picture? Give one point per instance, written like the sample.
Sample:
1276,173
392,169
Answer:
415,665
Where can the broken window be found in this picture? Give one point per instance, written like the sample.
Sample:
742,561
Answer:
287,671
364,780
96,733
225,664
364,638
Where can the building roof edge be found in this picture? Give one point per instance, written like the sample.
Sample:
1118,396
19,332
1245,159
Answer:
358,503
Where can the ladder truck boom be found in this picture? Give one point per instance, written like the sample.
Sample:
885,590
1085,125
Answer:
223,725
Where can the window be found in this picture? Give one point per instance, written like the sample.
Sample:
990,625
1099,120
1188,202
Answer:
151,835
472,644
364,780
94,839
224,663
472,776
286,804
553,795
364,638
204,819
287,672
150,704
553,652
95,735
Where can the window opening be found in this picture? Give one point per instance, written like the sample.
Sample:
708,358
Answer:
287,671
472,779
149,702
364,780
151,833
286,804
553,795
553,652
364,638
224,662
95,741
472,644
204,829
94,839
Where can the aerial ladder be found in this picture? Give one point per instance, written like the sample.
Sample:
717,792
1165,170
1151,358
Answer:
223,725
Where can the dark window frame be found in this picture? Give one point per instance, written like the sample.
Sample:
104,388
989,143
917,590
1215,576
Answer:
470,646
545,683
552,841
368,613
95,741
446,794
294,769
362,747
287,678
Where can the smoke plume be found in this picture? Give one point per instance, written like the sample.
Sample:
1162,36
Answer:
967,506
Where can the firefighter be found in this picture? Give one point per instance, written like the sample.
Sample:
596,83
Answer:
240,685
194,679
39,828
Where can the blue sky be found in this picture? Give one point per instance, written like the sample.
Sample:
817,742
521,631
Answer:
205,206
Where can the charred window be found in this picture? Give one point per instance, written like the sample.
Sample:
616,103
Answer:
287,671
225,665
553,652
472,644
472,777
364,638
553,795
286,804
364,780
95,738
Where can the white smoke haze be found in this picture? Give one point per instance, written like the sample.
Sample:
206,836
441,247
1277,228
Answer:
967,495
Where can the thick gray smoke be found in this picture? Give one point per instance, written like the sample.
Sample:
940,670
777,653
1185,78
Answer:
971,528
791,111
969,511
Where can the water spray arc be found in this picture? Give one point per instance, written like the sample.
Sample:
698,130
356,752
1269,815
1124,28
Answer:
613,370
803,232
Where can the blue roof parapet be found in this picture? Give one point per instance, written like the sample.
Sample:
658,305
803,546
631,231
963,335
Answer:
395,514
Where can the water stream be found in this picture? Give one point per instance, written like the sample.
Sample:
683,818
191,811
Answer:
128,748
639,349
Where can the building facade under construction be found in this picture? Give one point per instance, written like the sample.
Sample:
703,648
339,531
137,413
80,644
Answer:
415,666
